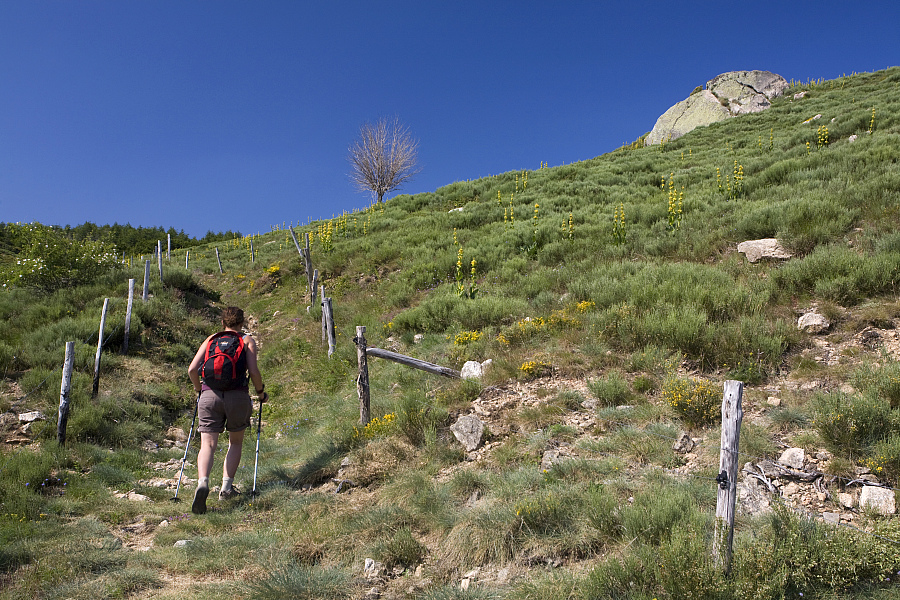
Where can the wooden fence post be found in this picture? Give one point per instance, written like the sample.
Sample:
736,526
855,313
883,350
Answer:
124,350
324,321
219,260
159,258
312,287
64,388
168,246
362,380
296,243
732,414
252,257
328,316
146,292
187,255
99,349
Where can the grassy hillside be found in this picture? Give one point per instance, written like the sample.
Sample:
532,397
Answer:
612,302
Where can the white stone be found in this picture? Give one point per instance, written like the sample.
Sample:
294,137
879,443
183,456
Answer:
472,370
755,250
813,322
417,339
845,500
468,430
460,209
182,543
879,499
773,401
30,417
852,138
793,458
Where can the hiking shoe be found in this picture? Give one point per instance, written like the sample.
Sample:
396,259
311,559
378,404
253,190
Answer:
199,505
229,493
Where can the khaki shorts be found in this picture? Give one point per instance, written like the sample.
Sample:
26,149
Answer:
229,410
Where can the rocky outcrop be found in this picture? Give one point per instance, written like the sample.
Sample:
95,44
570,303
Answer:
727,95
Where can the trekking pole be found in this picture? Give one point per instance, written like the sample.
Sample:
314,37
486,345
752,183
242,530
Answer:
253,492
186,448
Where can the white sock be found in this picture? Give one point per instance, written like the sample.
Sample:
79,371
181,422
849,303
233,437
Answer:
203,482
227,483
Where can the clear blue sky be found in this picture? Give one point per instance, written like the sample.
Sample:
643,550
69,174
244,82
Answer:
220,115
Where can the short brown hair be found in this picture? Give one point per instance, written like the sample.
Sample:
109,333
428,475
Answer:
232,317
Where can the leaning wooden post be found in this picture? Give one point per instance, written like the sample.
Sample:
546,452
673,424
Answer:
64,388
99,349
362,381
124,350
296,243
146,292
732,413
219,260
328,315
187,256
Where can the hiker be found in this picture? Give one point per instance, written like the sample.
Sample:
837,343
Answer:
224,400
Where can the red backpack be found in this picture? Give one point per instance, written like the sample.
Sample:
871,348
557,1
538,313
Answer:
225,364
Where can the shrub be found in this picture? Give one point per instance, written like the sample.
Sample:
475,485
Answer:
612,390
402,549
48,261
697,402
303,583
849,423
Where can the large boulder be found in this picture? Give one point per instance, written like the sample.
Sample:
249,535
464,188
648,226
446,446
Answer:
727,95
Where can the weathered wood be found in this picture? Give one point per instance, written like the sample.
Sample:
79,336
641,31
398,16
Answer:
99,349
328,315
415,363
252,256
324,320
362,380
296,243
732,414
146,292
312,287
187,256
168,246
219,260
159,258
128,316
64,388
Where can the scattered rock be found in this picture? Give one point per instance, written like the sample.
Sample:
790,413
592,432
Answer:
845,500
182,543
453,210
471,370
879,499
800,95
773,401
852,138
468,431
812,322
683,444
832,517
793,458
417,339
769,248
31,417
132,495
177,434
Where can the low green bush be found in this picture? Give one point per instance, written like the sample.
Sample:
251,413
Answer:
849,424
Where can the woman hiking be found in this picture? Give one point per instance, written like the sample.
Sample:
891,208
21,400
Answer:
223,362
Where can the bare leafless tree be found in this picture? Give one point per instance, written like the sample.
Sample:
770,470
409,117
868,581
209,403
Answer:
383,157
